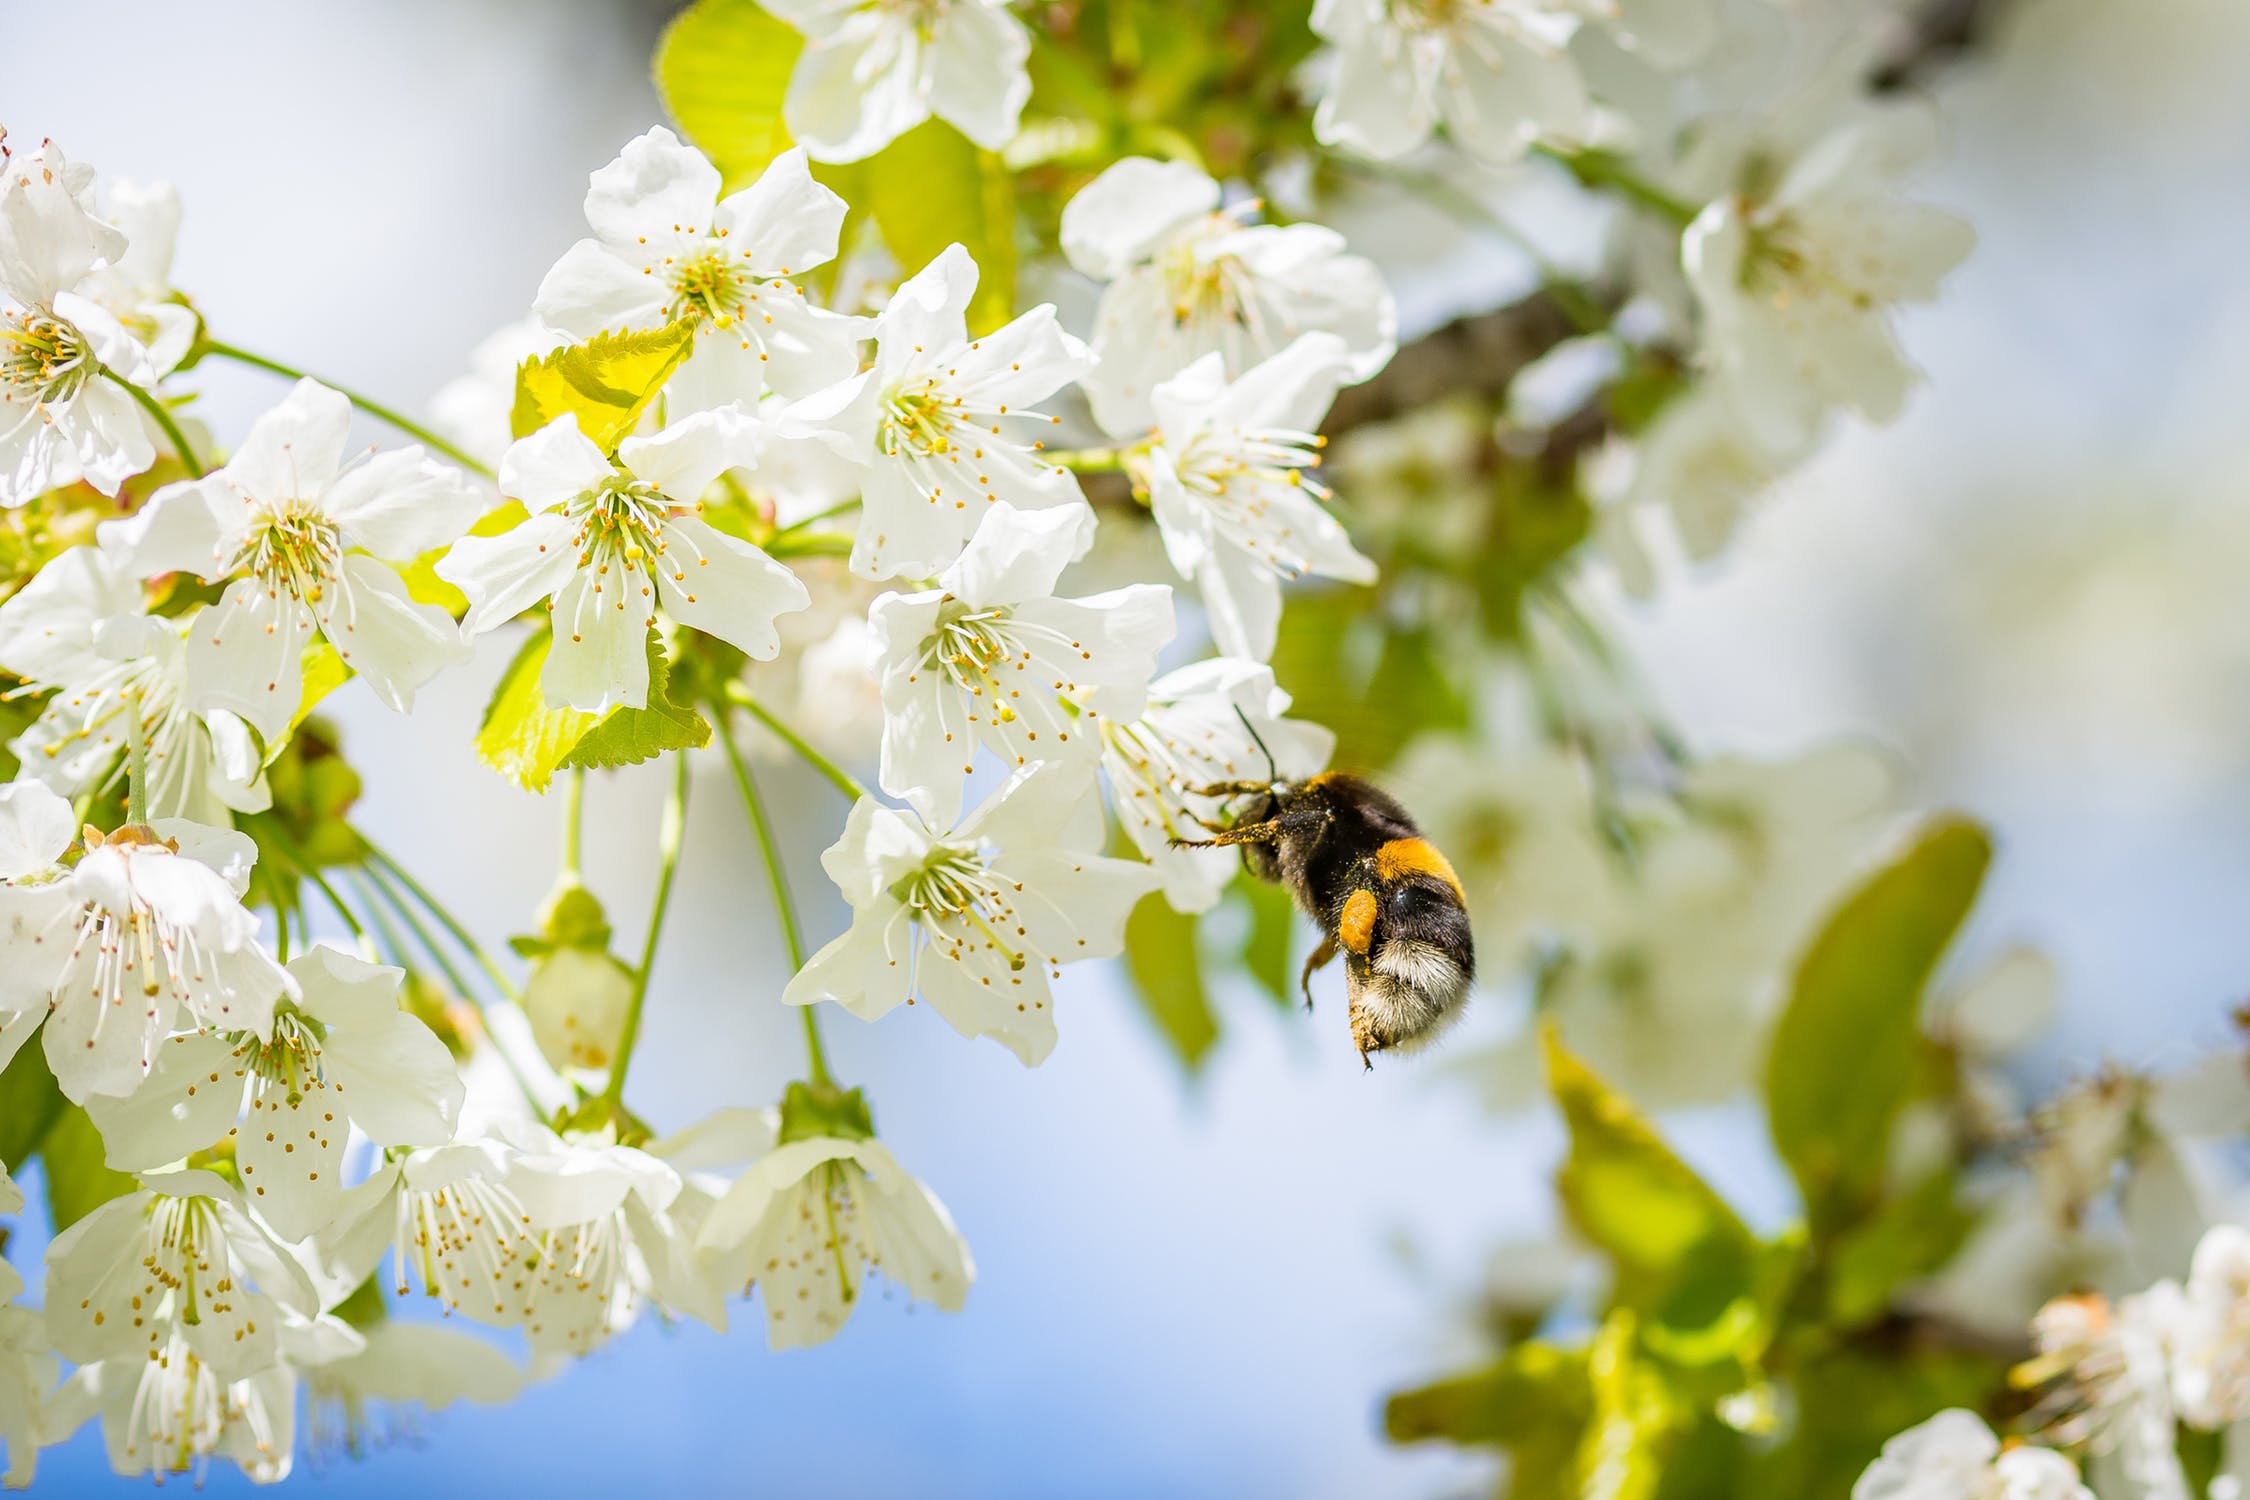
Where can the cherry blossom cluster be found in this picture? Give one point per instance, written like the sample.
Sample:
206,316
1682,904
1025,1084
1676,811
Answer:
863,479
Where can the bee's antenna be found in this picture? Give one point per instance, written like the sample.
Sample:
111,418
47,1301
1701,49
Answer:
1273,772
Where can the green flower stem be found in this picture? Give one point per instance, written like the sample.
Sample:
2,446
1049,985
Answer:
429,903
830,514
1600,169
574,813
670,834
371,880
162,416
375,409
809,544
840,779
136,761
306,870
784,905
1088,460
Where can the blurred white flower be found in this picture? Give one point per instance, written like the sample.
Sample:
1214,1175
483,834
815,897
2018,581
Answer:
341,1054
80,630
975,918
667,246
1954,1456
1703,461
305,542
1667,33
2110,1390
180,1255
937,422
1189,278
473,410
1798,270
1227,483
1493,72
874,69
400,1367
607,542
2211,1351
812,1217
136,287
990,656
148,925
61,419
576,999
1203,725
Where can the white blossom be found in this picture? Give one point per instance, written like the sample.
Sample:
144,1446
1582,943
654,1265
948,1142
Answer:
990,656
80,630
341,1054
2112,1392
1204,724
135,287
352,1402
608,541
874,69
2211,1354
1227,482
1189,278
182,1254
1798,270
62,420
576,999
811,1218
976,918
306,543
667,246
1954,1456
1493,72
938,422
146,932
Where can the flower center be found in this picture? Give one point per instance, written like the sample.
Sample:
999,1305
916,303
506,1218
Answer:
962,903
919,420
621,522
296,552
1207,289
291,1061
43,358
710,287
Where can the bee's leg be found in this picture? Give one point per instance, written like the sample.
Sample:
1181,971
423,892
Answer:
1321,956
1364,1038
1229,789
1272,831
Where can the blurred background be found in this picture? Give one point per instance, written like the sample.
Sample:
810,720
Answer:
2028,590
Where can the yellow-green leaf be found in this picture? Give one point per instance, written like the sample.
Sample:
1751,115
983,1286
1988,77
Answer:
932,188
722,68
1843,1051
1167,974
1683,1257
521,737
629,736
424,586
79,1176
608,381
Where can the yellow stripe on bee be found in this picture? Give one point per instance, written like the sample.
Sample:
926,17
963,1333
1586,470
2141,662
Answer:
1403,857
1355,929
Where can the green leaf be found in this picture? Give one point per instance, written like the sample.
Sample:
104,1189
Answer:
79,1179
1634,1420
1682,1255
424,586
1535,1401
1843,1054
29,1104
932,188
521,737
1911,1236
1272,933
722,69
608,381
1160,955
630,736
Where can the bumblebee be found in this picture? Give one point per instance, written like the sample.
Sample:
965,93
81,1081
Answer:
1382,895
